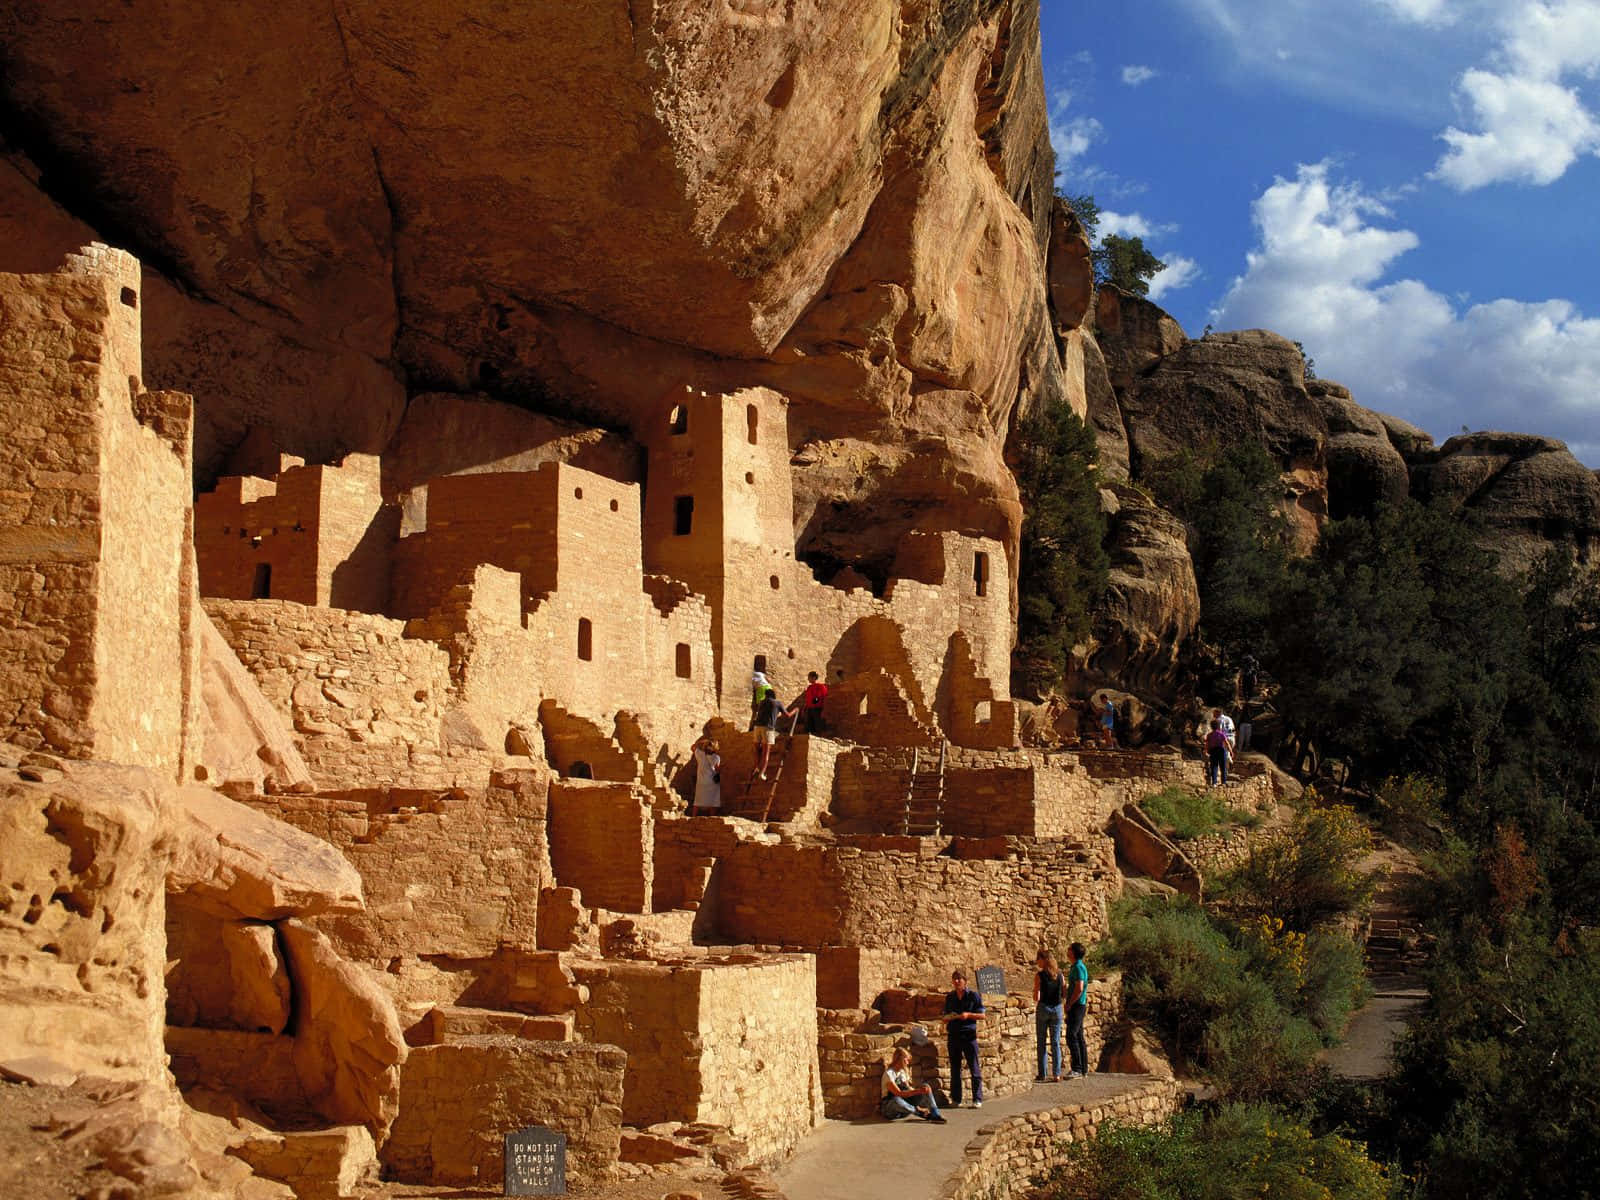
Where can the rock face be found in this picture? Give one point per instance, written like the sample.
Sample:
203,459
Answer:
1528,492
1152,604
845,200
1365,468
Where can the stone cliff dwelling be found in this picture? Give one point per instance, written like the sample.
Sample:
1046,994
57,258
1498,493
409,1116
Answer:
408,766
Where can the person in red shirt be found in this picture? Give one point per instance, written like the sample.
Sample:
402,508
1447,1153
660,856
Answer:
810,703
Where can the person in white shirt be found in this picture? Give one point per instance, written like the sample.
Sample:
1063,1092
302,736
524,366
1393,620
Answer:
898,1099
1227,725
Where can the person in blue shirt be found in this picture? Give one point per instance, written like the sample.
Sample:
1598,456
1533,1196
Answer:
962,1008
1077,1006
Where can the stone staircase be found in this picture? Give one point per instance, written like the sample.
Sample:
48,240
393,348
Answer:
924,806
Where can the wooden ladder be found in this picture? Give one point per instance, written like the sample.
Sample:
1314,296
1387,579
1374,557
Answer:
755,801
924,807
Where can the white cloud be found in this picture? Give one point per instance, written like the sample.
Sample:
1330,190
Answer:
1318,275
1133,76
1131,225
1531,120
1422,12
1071,136
1179,272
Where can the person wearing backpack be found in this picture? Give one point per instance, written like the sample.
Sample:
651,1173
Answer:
1077,1007
765,727
1049,988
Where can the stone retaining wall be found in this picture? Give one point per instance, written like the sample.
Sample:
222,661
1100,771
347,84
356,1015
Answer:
1004,1158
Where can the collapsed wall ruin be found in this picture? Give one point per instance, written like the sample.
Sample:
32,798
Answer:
449,869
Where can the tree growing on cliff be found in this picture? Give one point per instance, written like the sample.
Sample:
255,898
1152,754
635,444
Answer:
1063,563
1123,262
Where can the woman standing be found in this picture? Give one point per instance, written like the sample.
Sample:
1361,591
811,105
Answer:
708,778
1048,986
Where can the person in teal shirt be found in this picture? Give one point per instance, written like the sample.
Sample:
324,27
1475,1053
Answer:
1077,1006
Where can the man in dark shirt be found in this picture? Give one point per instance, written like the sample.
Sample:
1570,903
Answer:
962,1008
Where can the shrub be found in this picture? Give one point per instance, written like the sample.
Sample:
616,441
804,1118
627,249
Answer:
1238,1150
1212,1001
1183,812
1307,875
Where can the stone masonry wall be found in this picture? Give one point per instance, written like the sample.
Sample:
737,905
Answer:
937,912
854,1044
454,875
1002,1160
726,1041
458,1101
368,705
602,843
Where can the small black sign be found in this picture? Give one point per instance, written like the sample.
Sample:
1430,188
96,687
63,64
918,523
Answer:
536,1162
991,981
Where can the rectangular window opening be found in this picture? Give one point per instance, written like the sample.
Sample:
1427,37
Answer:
261,586
682,516
683,664
585,639
980,572
752,420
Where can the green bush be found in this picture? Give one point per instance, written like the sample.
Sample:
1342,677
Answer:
1307,875
1215,999
1239,1150
1183,812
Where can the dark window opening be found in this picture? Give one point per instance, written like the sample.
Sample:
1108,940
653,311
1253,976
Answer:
683,663
980,572
682,515
761,663
261,586
615,506
130,297
585,639
679,421
751,420
580,770
773,580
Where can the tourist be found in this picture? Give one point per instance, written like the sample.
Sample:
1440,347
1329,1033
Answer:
708,778
1247,730
1217,755
962,1008
765,727
898,1099
759,683
1222,718
1049,986
1077,1006
810,703
1108,723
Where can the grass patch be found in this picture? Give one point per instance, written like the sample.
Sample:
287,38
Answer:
1182,812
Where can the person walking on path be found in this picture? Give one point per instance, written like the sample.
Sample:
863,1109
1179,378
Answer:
810,703
1049,986
707,779
962,1008
1217,715
765,727
1108,723
898,1099
1217,755
1077,1007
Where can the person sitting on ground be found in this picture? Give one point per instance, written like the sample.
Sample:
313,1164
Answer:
898,1099
810,703
1217,755
765,727
708,778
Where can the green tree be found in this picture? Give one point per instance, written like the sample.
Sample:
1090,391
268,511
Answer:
1238,540
1128,265
1120,261
1063,564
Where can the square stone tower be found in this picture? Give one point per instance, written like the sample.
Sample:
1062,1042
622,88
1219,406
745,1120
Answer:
96,559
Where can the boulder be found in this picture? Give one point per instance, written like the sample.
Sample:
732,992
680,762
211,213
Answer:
236,862
1528,492
1364,467
348,1045
1152,602
1232,387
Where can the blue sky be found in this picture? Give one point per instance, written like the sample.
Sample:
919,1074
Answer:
1411,188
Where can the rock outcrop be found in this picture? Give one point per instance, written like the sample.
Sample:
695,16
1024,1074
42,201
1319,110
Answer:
1529,493
571,208
1365,468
